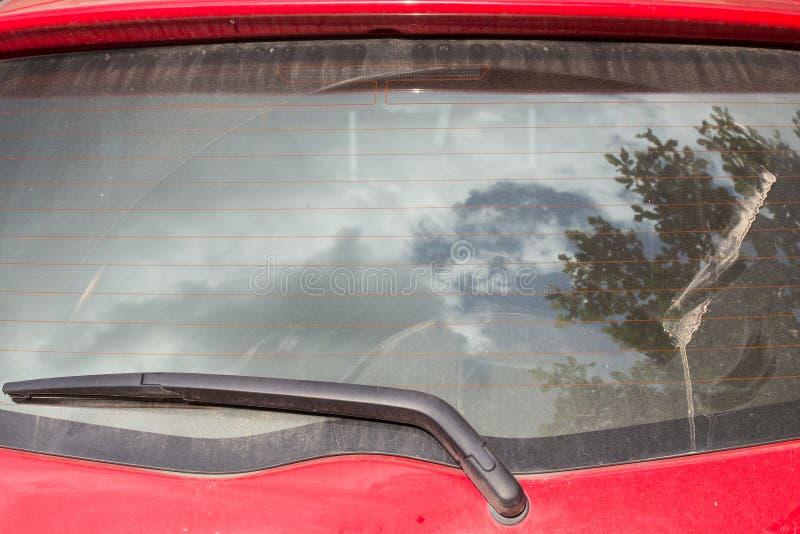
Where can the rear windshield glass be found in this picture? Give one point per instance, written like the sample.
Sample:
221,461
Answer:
559,239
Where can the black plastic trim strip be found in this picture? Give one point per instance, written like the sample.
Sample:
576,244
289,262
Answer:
337,436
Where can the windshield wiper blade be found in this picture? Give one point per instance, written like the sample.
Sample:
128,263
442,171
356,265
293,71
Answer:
503,492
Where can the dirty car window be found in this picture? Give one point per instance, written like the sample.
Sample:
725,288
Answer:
557,238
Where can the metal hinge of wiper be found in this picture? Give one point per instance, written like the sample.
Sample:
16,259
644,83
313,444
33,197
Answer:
503,492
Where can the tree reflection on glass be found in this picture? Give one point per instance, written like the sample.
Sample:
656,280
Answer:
744,350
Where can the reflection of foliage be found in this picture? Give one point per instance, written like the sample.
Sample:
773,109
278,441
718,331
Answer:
671,182
592,403
747,153
682,232
665,174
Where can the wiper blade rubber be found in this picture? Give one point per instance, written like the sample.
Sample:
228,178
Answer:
503,492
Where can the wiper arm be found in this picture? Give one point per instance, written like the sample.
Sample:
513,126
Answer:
437,417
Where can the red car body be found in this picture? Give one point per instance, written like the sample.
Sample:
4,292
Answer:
46,26
746,490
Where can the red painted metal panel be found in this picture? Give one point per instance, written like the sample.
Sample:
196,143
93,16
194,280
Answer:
28,26
745,490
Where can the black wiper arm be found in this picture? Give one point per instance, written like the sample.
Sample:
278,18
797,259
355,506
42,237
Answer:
442,421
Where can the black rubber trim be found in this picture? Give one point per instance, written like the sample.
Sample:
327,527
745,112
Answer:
337,436
416,408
